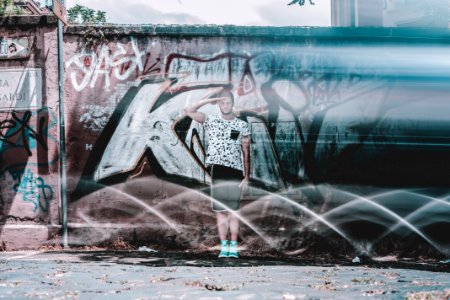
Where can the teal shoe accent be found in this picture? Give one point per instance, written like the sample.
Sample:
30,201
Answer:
233,252
224,250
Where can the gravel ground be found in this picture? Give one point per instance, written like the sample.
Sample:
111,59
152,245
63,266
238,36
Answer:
154,275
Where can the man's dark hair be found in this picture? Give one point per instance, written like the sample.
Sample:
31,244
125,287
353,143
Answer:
224,93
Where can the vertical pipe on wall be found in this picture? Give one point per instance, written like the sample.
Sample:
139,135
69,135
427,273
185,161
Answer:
62,133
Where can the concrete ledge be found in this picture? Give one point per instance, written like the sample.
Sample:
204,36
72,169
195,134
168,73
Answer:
419,34
32,21
29,236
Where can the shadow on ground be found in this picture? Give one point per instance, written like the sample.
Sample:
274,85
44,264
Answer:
168,259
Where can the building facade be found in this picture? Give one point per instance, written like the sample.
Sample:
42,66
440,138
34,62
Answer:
390,13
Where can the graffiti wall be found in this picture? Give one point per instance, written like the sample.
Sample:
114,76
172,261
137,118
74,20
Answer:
29,177
350,138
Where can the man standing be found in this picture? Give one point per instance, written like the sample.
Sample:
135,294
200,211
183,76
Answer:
228,156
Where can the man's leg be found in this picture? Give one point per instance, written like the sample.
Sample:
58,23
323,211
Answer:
234,232
234,226
222,227
222,224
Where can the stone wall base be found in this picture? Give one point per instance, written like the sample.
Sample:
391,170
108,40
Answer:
26,237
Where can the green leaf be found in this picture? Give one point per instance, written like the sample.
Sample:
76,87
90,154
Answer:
81,14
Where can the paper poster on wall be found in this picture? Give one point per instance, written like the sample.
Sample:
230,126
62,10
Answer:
20,89
14,48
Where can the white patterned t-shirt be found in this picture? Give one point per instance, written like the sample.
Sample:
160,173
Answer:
224,138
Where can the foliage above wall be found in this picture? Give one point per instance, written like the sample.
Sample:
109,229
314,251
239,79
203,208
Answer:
80,14
7,7
301,2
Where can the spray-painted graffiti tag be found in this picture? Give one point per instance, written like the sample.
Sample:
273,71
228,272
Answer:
24,135
35,191
20,128
88,66
282,104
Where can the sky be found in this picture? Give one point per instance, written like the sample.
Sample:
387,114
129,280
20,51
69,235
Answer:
235,12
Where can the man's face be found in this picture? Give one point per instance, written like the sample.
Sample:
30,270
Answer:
226,106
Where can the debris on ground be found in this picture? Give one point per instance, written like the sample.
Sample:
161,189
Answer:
136,275
429,295
356,260
146,249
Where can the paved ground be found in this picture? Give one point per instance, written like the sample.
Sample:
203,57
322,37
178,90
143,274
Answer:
150,275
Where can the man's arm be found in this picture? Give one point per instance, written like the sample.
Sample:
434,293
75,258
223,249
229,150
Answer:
245,142
192,109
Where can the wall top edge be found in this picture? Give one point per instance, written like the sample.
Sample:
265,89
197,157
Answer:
260,31
28,20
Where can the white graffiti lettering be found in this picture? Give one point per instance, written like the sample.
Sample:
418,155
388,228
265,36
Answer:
87,67
139,129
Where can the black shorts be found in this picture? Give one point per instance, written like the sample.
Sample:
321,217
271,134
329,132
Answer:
225,190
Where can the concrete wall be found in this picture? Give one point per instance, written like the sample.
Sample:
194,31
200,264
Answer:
350,136
29,179
340,120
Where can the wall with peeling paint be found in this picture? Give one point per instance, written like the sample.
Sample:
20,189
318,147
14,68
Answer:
29,179
342,121
349,137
